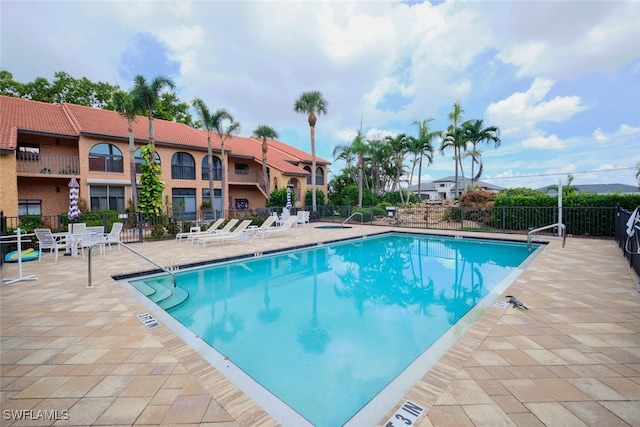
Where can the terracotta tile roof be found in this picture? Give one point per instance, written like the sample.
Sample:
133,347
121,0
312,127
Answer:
74,120
25,115
250,147
93,121
303,156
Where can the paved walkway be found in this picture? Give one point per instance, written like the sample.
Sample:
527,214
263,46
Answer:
82,356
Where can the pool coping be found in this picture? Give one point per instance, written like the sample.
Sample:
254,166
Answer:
391,393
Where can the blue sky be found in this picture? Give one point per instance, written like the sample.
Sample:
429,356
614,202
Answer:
560,79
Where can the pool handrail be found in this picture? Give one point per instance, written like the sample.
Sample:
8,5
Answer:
89,285
352,215
562,227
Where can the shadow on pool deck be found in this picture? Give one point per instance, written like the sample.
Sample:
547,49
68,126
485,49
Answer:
82,354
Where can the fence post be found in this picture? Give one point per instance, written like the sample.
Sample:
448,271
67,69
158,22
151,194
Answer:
140,227
4,249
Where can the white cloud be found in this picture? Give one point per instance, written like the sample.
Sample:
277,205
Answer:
519,115
551,142
623,132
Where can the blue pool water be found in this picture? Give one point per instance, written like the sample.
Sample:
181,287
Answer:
326,328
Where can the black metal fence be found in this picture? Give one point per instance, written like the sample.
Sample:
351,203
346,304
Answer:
583,222
630,245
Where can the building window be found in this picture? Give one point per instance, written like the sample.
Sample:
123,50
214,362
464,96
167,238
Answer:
28,152
217,168
139,160
184,202
242,169
107,197
319,176
29,207
105,158
183,166
308,169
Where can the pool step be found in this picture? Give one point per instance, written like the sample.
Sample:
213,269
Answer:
143,288
162,293
178,296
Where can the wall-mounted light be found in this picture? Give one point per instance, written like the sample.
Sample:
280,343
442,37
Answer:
57,141
57,189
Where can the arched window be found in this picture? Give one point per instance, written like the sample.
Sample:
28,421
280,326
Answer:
139,160
105,157
319,176
183,166
308,169
217,168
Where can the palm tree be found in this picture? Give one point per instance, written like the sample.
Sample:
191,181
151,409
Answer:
207,124
567,189
453,138
312,103
360,148
422,146
475,132
265,132
125,104
149,94
398,146
345,152
219,118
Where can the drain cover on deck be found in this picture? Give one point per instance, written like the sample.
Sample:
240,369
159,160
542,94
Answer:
148,320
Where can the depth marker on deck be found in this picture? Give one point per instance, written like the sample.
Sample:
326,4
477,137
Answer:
406,415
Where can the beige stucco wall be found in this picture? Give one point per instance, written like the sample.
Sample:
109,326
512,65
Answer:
8,185
38,186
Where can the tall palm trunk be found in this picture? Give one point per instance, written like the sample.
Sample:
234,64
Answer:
360,181
132,166
210,168
313,166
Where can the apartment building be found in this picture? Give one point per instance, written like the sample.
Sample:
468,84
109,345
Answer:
42,146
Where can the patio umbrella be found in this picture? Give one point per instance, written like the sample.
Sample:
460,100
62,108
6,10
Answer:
288,198
74,190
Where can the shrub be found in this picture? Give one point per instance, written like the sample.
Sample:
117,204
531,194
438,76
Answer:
320,198
28,223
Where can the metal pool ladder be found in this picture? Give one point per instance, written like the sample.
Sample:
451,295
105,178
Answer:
563,231
352,215
137,253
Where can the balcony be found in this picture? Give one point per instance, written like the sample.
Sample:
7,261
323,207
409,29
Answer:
239,176
31,164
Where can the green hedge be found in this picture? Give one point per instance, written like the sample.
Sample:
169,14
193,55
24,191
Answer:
538,210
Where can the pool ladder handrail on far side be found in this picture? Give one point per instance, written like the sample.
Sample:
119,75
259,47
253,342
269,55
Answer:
89,285
563,231
352,215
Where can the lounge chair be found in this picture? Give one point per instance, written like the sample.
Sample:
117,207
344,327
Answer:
267,223
284,228
227,227
190,235
46,240
238,233
114,235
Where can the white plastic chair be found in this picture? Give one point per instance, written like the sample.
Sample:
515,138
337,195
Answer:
92,236
46,240
114,235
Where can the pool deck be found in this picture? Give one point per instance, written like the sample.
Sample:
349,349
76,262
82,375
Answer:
81,353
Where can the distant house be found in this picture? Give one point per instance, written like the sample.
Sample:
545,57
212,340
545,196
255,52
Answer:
444,188
597,189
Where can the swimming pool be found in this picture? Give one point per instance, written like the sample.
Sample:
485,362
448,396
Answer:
326,328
